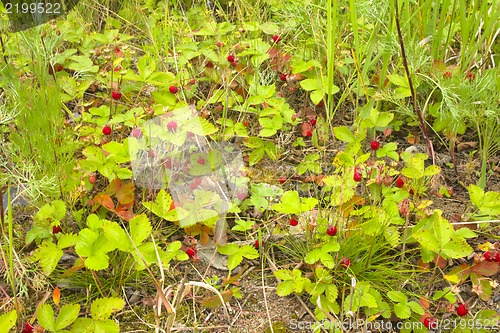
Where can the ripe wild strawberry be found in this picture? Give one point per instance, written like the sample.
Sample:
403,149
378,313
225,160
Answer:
191,252
331,231
116,95
375,145
358,176
196,182
293,222
106,130
230,58
56,229
430,322
218,44
276,38
309,133
201,161
488,256
497,257
137,132
173,89
172,126
399,182
345,262
462,310
28,328
282,179
283,77
241,196
256,244
312,121
192,81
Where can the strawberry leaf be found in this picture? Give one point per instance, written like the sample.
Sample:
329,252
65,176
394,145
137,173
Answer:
103,308
67,315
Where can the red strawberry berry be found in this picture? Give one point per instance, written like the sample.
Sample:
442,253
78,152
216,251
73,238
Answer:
218,44
56,229
106,130
447,75
497,257
293,222
283,77
375,145
172,126
196,182
430,322
92,178
345,262
256,244
282,179
400,183
411,192
116,95
312,121
488,256
168,164
241,196
192,81
309,133
28,328
276,38
331,231
358,176
191,252
230,58
201,161
462,310
137,132
173,89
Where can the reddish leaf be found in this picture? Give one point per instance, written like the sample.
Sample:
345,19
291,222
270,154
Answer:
425,266
462,272
126,215
105,200
279,60
438,260
486,268
56,295
122,207
125,193
413,138
214,301
425,303
202,230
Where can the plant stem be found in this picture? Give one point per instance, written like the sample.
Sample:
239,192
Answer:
421,120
